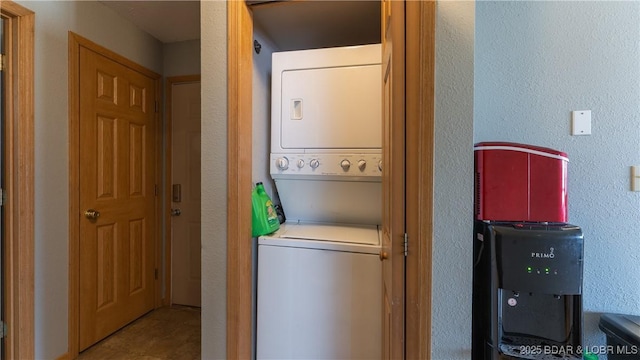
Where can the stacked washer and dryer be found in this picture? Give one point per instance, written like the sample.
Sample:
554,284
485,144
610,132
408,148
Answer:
319,276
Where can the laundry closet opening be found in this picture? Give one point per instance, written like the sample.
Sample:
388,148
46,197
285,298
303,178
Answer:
298,25
408,43
320,158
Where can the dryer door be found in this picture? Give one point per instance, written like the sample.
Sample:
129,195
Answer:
331,108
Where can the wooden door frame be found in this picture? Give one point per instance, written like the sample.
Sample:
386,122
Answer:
168,137
18,257
75,43
420,119
239,153
420,70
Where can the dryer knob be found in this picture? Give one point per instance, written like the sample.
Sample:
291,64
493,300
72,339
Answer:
314,163
345,164
300,163
362,164
282,163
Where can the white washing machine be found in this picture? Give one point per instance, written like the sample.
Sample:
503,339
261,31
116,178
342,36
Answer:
319,289
319,277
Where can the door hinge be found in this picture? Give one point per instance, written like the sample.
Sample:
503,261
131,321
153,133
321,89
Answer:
3,329
3,197
406,244
156,274
3,62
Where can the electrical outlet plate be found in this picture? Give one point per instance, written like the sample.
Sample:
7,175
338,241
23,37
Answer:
581,122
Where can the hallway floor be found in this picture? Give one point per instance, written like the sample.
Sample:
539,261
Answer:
166,333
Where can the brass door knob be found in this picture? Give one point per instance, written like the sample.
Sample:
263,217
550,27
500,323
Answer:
92,214
383,255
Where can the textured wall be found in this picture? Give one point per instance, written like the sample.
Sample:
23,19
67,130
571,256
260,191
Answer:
181,58
213,15
54,19
453,226
537,61
262,113
261,134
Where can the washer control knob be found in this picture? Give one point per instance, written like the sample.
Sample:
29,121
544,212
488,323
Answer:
345,164
300,163
380,165
314,163
282,163
362,164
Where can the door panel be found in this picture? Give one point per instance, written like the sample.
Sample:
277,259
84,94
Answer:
393,185
185,228
117,155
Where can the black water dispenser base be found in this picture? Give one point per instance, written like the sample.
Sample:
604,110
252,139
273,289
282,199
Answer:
527,291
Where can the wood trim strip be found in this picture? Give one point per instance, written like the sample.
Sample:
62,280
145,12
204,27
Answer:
168,238
24,193
81,41
421,17
64,356
396,169
13,10
239,157
167,179
19,280
427,115
158,191
74,196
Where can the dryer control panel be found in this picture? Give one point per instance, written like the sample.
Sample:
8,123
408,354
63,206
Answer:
344,166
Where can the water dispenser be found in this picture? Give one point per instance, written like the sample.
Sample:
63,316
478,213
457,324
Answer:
527,291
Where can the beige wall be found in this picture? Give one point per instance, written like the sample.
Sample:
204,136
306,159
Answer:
181,58
213,17
453,181
262,113
53,20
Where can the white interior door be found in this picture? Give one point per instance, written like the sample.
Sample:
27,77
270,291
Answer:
185,174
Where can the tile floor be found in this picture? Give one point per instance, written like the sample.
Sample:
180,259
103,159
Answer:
168,333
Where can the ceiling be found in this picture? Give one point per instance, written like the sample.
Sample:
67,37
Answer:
167,21
290,25
295,25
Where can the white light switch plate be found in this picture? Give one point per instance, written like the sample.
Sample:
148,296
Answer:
581,122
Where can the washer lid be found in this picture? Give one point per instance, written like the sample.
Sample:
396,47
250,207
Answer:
354,234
